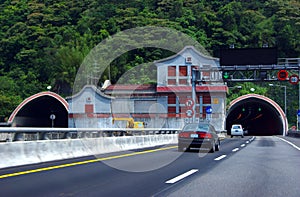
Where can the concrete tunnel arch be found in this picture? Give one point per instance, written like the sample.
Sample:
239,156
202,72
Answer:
35,111
259,115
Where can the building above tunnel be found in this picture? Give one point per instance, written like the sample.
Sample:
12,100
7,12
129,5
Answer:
167,104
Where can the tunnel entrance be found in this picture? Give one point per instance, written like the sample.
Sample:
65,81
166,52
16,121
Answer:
36,110
258,115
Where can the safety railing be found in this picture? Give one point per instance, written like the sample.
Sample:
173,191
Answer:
293,133
8,134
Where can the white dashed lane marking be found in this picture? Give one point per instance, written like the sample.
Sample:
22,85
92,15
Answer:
221,157
182,176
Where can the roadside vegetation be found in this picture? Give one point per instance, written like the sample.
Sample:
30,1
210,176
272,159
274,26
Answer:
42,43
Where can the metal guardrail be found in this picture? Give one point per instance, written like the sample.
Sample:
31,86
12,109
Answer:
293,133
33,133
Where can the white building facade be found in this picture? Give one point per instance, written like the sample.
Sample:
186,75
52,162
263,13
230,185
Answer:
171,103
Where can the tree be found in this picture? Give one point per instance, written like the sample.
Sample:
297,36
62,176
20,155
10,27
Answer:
241,89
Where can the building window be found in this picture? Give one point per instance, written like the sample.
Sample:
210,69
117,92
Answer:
206,74
182,70
172,99
183,73
89,108
172,71
183,81
171,110
171,81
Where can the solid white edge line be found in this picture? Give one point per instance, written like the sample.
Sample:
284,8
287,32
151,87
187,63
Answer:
182,176
221,157
290,143
236,149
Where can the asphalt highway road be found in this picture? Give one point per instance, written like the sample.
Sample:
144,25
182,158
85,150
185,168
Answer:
250,166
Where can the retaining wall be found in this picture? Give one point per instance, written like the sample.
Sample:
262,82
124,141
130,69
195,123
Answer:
30,152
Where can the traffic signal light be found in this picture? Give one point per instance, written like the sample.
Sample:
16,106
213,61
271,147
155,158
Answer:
225,75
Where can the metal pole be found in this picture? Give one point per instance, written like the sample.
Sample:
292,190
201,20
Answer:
285,100
299,99
194,91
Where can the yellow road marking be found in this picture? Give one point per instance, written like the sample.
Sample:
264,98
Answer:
83,162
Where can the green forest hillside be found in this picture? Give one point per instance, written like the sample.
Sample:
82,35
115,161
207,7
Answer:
43,42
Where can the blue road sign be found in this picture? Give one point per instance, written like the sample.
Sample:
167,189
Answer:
208,110
298,112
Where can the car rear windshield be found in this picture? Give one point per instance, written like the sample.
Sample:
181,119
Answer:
236,127
196,127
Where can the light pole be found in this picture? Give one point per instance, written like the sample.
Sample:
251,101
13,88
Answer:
284,96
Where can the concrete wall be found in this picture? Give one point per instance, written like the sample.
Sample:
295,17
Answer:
30,152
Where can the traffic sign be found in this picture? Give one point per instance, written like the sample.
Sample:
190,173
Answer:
298,112
189,113
294,79
282,75
189,103
52,117
208,110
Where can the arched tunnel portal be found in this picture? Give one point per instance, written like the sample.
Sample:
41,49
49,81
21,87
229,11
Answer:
259,115
36,110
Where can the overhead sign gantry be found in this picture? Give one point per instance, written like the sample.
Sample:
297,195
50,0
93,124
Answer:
257,64
253,65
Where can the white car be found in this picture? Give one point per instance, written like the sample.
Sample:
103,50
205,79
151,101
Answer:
237,130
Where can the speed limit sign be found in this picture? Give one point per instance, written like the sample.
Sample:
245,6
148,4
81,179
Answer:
189,113
294,79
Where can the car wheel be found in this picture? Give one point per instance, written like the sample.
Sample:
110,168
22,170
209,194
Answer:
187,149
213,148
242,136
231,136
217,146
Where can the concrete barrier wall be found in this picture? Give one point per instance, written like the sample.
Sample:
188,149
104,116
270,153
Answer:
30,152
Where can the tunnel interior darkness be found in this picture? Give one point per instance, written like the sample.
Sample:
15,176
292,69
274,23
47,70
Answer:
36,113
257,116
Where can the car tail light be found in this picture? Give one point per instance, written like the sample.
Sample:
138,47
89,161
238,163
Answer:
204,135
184,134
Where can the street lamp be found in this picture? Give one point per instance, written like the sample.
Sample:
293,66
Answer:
284,95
